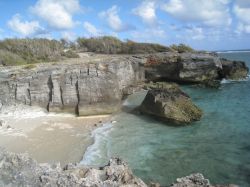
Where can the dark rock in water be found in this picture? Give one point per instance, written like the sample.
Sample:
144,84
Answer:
234,70
169,103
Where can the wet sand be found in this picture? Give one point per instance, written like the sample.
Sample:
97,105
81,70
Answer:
51,139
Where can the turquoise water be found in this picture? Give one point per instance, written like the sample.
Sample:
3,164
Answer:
217,146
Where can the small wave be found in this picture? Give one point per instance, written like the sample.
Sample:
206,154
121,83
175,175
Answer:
227,81
221,52
95,151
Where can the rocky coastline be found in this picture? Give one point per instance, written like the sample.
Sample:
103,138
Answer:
96,84
21,170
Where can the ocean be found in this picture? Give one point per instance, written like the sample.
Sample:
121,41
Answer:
218,146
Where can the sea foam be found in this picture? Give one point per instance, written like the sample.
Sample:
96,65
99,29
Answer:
98,150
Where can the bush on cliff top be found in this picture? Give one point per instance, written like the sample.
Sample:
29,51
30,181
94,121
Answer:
112,45
181,48
26,51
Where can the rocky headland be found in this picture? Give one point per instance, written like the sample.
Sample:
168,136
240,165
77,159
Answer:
96,84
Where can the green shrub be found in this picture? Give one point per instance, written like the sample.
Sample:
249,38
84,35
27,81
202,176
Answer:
70,54
112,45
33,50
9,59
181,48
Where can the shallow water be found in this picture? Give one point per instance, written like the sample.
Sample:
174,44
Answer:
217,146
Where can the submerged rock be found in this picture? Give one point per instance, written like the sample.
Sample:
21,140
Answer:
169,103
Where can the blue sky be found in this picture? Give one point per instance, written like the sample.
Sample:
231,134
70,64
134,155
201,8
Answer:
203,24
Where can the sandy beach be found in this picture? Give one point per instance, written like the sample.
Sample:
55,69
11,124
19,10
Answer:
50,138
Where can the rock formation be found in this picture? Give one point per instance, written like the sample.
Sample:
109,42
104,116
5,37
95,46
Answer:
81,88
95,84
167,102
192,68
196,180
21,170
234,70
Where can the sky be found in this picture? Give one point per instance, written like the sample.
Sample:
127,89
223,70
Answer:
202,24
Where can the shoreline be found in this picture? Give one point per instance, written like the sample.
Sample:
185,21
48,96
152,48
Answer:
49,138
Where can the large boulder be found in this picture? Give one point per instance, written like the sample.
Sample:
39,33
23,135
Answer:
169,103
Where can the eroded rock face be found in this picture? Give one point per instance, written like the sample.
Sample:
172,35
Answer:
234,70
81,88
20,170
168,103
184,67
192,68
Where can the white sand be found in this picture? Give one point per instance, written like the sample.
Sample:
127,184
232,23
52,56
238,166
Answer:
47,137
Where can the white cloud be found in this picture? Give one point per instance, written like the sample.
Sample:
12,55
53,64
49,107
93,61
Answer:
91,29
69,36
146,11
57,13
195,33
149,35
25,28
208,12
113,20
242,11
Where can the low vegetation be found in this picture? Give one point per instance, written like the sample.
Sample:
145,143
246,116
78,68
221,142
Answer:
181,48
30,51
112,45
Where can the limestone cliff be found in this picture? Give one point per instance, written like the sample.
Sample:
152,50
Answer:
192,68
84,88
94,84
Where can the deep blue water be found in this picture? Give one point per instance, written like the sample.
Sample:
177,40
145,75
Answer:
217,146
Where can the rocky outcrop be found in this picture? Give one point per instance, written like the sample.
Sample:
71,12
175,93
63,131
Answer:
82,88
202,68
168,103
21,170
94,84
196,180
234,70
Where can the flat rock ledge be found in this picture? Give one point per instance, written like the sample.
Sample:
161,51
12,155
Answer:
21,170
167,102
